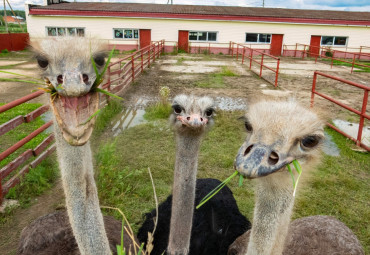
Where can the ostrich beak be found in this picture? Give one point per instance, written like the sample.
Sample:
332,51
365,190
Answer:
253,161
73,116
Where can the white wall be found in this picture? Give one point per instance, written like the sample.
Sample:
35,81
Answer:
102,27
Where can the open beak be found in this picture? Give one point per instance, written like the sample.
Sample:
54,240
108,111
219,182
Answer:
253,161
73,115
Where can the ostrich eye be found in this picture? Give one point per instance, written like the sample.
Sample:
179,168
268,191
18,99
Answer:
99,60
310,141
209,112
42,61
248,126
177,109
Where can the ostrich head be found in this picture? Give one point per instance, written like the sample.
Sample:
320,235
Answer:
278,133
66,66
192,115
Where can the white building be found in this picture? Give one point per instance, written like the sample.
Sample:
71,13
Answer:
132,25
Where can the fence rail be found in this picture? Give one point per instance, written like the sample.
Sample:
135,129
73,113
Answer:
325,52
361,113
127,70
242,51
124,71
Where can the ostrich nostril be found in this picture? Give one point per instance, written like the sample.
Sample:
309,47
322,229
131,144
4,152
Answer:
201,119
188,118
60,79
248,150
85,78
273,158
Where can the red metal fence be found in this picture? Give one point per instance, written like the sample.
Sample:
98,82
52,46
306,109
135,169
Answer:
126,70
40,152
14,41
361,113
256,56
324,52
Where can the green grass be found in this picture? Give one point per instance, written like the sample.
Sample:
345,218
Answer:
21,131
340,187
216,80
158,111
38,179
14,28
113,107
339,63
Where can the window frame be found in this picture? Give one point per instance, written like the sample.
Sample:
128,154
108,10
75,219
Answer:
258,38
197,31
66,32
334,45
123,33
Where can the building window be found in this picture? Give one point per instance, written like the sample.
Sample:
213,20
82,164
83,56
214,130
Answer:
65,31
334,40
122,33
202,36
257,38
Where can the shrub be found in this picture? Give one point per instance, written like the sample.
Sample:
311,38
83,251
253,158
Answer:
4,51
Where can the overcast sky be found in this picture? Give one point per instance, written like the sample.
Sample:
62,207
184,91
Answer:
343,5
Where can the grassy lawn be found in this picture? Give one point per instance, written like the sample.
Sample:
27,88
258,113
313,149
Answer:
39,178
340,187
340,63
216,80
14,28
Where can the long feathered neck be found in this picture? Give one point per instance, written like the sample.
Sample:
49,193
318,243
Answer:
273,209
81,196
183,194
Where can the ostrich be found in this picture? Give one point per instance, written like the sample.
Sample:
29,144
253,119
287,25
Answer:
216,225
278,133
66,64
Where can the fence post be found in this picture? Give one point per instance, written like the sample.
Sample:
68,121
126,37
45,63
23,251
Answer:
277,72
304,51
295,51
261,64
154,52
229,47
243,55
251,59
209,48
149,55
237,52
313,88
363,112
353,62
332,59
232,50
142,62
133,68
359,55
108,88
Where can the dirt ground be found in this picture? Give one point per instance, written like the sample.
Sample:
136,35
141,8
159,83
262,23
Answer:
185,74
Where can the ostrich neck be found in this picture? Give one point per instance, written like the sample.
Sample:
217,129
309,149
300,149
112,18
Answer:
81,196
183,194
273,209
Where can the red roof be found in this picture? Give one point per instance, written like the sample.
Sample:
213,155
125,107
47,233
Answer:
204,12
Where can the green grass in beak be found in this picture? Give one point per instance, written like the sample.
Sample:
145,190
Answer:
217,189
298,168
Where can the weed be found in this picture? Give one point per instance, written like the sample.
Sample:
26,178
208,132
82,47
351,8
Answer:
4,51
113,108
180,61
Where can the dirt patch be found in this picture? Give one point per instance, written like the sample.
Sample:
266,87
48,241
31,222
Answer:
44,204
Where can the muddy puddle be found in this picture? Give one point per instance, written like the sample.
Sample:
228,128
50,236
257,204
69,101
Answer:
352,130
329,147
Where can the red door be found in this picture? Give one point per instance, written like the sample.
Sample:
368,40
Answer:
183,40
145,37
315,45
276,45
